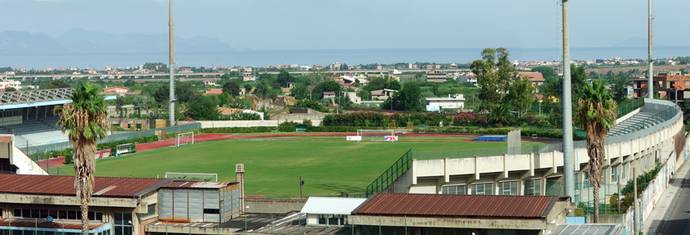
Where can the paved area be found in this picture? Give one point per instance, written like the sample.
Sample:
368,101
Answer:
672,213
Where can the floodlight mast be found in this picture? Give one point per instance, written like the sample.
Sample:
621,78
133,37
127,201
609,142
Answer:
568,171
171,65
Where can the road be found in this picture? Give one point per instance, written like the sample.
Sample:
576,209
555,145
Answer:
677,217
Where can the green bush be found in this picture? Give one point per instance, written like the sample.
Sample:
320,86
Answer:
287,127
476,130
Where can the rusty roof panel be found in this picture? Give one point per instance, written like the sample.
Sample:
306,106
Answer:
64,185
474,206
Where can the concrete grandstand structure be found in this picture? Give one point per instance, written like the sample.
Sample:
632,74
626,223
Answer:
641,139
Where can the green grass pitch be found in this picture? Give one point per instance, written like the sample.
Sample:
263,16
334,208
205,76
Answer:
329,165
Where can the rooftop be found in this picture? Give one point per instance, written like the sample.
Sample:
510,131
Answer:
331,205
37,98
468,206
532,76
64,185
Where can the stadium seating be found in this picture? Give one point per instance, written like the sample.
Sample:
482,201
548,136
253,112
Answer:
647,117
35,133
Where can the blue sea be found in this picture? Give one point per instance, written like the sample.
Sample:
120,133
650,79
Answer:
311,57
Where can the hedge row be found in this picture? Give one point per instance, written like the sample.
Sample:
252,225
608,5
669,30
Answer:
525,131
239,130
379,120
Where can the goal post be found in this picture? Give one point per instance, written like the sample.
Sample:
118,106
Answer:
184,138
207,177
121,149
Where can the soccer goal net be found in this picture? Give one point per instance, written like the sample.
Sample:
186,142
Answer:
383,135
207,177
185,138
125,149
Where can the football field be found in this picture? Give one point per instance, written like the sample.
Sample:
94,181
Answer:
329,165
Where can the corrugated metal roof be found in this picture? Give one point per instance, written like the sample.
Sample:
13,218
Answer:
64,185
331,205
475,206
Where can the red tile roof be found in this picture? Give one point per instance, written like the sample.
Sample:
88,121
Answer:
473,206
532,76
64,185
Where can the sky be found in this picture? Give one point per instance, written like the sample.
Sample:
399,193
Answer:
362,24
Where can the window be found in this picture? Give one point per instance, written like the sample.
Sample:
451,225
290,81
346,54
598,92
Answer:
483,189
623,175
322,219
509,188
454,189
614,173
211,211
123,223
533,187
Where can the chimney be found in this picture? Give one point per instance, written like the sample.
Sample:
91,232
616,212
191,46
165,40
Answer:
239,177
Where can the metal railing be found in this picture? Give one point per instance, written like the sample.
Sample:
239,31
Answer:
32,150
388,177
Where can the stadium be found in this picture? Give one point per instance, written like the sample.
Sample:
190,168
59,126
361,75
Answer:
279,170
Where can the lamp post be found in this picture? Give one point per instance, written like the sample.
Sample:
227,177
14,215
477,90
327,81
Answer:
650,60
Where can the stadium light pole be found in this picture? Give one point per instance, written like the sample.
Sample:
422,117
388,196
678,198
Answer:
650,60
171,65
568,171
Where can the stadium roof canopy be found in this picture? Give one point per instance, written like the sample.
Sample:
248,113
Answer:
37,98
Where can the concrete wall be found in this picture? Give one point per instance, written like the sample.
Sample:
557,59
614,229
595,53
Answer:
230,124
273,206
640,150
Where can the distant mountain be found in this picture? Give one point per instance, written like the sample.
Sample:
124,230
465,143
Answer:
79,41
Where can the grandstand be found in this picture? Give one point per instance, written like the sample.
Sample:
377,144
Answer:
648,116
29,116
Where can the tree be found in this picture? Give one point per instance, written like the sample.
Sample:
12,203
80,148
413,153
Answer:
85,121
379,83
284,78
408,99
300,91
327,85
53,84
494,76
520,96
203,108
264,90
619,87
596,113
10,89
184,92
232,87
129,83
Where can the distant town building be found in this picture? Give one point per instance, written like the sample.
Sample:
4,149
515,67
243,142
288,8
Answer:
452,102
116,90
672,86
8,83
436,76
536,78
328,94
383,94
214,91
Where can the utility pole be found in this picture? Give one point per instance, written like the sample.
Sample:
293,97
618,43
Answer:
568,171
171,65
650,60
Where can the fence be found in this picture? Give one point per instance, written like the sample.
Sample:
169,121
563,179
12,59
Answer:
388,177
32,150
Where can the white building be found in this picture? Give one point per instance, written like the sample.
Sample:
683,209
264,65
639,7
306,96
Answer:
7,83
330,211
436,104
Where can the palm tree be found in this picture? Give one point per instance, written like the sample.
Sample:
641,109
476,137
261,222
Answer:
84,121
596,112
